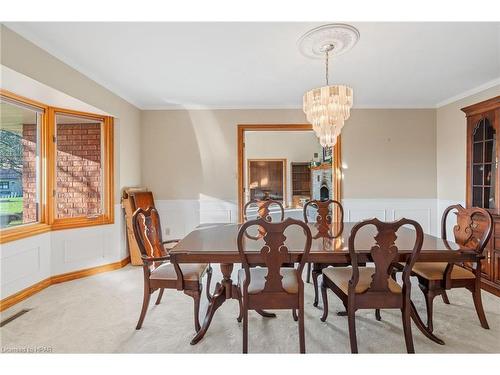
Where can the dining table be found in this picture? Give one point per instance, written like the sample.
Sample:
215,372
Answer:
216,244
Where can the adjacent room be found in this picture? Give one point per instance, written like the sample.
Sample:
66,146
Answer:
250,187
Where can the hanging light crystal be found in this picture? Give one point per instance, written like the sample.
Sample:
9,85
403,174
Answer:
328,107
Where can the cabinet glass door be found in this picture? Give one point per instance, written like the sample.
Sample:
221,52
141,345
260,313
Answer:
484,164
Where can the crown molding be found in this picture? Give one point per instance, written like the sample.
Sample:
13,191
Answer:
465,94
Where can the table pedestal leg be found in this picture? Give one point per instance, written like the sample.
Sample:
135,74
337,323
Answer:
223,290
421,326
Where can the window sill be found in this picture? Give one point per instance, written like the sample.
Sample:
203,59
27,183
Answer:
23,231
81,222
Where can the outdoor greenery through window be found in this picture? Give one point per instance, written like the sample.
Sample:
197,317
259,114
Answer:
19,164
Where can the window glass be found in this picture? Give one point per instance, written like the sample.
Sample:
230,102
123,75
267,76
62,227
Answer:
19,163
79,172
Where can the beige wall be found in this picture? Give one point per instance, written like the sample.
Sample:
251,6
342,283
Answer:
24,57
192,153
451,145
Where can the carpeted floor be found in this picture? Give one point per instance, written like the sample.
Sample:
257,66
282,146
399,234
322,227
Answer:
98,315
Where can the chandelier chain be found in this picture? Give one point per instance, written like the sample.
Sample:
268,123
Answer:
327,52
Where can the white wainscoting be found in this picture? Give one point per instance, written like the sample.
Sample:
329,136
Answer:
179,217
424,211
30,260
24,263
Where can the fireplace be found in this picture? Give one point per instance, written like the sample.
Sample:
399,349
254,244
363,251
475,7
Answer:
321,183
324,192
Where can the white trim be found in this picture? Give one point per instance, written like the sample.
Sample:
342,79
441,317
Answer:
470,92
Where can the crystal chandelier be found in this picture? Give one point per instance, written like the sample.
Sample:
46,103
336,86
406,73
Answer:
328,107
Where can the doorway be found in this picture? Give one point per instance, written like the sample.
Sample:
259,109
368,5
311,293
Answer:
285,162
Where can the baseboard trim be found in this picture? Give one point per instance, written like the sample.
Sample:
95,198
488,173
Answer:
41,285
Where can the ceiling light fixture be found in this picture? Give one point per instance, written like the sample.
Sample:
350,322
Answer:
328,107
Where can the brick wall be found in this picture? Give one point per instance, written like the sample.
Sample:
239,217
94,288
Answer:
78,191
29,173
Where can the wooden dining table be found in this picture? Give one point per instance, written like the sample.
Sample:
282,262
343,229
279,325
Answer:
216,243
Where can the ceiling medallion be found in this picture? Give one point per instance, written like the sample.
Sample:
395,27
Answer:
328,107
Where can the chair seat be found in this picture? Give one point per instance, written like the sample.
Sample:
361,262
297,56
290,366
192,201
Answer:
258,279
435,271
190,272
340,276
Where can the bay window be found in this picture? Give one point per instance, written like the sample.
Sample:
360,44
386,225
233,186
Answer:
56,168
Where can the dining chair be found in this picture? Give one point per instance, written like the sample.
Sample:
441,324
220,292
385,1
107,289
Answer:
159,273
263,210
373,287
324,221
473,230
272,286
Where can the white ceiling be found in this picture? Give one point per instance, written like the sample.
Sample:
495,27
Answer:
249,65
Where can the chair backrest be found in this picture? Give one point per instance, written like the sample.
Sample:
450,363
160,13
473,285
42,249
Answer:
384,254
274,253
468,232
324,216
147,232
263,210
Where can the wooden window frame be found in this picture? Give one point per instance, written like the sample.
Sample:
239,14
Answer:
47,220
107,217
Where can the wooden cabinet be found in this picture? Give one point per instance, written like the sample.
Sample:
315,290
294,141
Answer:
301,183
483,182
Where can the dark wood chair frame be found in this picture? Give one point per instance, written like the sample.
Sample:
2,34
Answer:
147,228
324,221
263,210
385,255
464,235
274,255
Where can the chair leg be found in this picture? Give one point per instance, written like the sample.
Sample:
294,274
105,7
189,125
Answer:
240,303
444,296
351,317
294,315
196,295
324,297
429,298
245,330
405,312
478,304
315,275
209,279
160,294
145,304
302,339
377,314
429,305
308,277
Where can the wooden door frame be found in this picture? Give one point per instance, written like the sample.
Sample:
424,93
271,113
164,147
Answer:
336,165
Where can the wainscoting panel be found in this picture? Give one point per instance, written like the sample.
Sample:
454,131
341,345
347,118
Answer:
82,248
424,211
76,249
24,263
28,258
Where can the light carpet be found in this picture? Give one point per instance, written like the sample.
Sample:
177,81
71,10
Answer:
98,314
